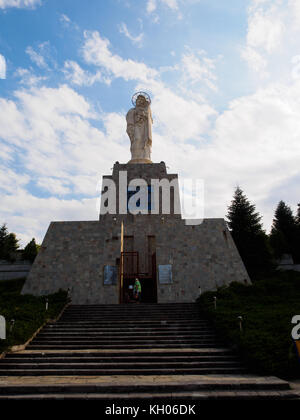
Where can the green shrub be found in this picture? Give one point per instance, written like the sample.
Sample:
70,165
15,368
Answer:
267,308
28,312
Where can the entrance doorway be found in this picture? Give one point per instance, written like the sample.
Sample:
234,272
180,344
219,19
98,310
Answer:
129,263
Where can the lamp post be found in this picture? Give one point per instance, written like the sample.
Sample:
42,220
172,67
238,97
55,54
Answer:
240,318
215,302
12,323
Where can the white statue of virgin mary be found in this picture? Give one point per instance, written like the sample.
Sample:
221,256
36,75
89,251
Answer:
139,128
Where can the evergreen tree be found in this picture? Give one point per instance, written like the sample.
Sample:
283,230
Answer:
11,245
8,244
284,232
3,236
278,244
298,215
248,234
30,250
298,236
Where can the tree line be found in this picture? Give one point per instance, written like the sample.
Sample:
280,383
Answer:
259,251
10,247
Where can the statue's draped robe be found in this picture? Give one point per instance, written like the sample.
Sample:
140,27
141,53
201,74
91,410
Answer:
139,129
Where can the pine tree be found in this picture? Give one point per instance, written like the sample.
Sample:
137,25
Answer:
3,236
298,215
297,259
284,232
278,244
8,244
248,234
30,251
11,245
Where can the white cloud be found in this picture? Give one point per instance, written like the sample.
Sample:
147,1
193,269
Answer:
152,7
253,143
36,57
67,22
138,40
2,67
172,4
272,37
65,19
96,51
171,111
115,128
178,118
42,56
295,12
34,214
152,4
21,4
54,185
266,25
12,122
58,150
11,181
6,153
43,113
28,77
197,67
255,60
76,75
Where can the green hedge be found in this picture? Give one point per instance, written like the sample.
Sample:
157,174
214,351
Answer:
29,312
267,308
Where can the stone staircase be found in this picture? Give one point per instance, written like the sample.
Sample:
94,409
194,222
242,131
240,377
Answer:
166,351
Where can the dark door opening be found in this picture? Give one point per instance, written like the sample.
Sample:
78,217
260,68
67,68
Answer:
148,283
130,266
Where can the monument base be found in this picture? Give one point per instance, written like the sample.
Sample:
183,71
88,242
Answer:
140,161
99,260
188,260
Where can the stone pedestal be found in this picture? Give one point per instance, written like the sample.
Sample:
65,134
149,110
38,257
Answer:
74,254
134,161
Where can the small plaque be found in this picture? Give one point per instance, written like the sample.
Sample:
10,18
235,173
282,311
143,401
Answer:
110,275
165,274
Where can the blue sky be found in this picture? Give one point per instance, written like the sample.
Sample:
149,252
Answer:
224,78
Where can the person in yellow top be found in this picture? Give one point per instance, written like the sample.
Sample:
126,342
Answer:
137,290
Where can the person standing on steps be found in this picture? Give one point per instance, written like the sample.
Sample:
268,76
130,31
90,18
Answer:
137,290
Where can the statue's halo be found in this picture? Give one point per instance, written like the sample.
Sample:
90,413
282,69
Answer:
137,94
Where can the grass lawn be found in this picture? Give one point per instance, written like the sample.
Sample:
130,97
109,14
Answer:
267,308
29,312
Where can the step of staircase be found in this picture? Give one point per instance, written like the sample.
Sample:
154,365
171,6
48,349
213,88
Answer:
122,346
160,397
167,342
158,388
